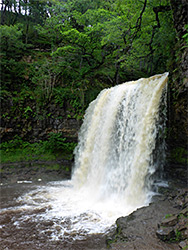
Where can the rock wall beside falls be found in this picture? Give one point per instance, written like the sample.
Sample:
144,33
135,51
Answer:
177,142
34,124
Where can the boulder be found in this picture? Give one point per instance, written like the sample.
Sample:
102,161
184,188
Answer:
170,221
165,233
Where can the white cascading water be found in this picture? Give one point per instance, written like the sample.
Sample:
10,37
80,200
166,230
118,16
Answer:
113,161
117,139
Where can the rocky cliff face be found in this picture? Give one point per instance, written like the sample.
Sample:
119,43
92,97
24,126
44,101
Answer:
178,96
33,123
179,71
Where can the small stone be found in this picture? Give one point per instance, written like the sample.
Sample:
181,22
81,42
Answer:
179,202
183,244
165,233
48,232
168,222
48,223
182,224
58,228
184,211
66,233
184,234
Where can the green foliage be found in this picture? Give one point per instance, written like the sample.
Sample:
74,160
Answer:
29,153
19,150
16,142
56,143
4,94
11,51
185,37
185,248
182,216
65,52
97,37
44,78
168,216
11,44
178,235
90,39
179,154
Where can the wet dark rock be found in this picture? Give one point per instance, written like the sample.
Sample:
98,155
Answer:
182,223
138,230
171,221
35,171
165,233
184,233
58,228
161,225
48,233
183,244
48,223
184,211
182,198
175,228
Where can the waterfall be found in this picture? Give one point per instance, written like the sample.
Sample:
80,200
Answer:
121,145
114,157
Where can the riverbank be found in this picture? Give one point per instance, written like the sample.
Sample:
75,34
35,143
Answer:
163,225
35,171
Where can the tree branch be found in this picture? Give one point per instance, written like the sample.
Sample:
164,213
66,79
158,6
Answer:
139,20
158,9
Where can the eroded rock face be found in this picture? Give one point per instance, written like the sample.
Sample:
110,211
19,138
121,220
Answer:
161,225
138,230
170,221
35,125
174,227
178,116
166,233
179,8
177,142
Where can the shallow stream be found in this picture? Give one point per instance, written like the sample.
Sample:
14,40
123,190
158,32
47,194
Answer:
43,216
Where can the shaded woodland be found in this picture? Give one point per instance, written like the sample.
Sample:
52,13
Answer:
57,55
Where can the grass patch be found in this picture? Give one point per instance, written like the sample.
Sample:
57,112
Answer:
17,150
19,155
168,216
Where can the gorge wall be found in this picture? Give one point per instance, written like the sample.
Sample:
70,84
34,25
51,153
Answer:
179,76
177,141
32,123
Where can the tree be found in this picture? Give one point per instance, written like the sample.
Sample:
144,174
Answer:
11,52
122,38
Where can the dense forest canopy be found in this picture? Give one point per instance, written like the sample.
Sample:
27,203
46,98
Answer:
57,55
63,52
79,44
